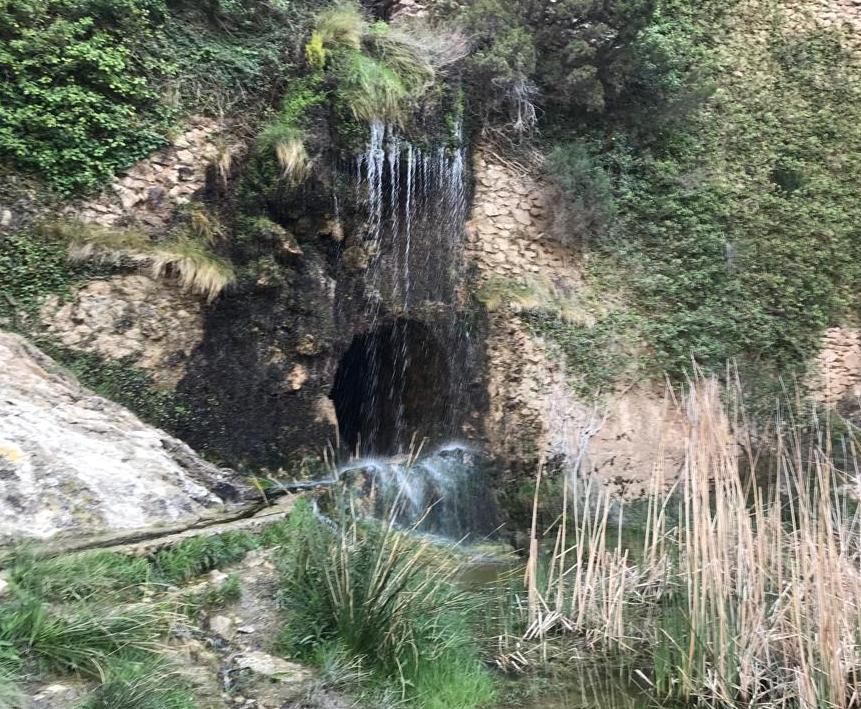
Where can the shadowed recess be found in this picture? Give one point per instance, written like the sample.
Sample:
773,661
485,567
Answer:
391,383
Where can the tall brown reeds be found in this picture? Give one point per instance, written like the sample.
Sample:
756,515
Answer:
747,592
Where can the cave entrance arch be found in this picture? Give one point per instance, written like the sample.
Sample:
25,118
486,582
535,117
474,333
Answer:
391,383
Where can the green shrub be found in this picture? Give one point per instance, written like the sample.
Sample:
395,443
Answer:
32,267
587,207
730,227
75,100
123,382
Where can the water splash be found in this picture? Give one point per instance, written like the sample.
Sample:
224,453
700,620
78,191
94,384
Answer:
445,493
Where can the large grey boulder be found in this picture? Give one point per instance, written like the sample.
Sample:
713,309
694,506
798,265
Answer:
76,464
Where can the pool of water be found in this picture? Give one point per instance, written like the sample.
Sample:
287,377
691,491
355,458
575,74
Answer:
592,688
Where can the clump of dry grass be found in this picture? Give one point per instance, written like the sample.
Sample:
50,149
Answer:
186,257
751,597
293,158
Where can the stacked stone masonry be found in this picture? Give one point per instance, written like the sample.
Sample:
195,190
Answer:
837,369
148,193
507,235
533,411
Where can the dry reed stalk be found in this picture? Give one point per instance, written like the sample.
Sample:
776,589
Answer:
769,578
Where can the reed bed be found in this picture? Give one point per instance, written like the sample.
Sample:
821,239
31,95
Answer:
746,591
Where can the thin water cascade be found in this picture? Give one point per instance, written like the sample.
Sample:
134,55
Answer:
416,210
412,242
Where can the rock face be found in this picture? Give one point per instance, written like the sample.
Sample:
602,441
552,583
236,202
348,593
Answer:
74,463
152,323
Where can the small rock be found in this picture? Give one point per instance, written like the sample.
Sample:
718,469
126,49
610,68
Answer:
246,629
217,577
274,667
308,345
297,377
4,587
222,626
5,218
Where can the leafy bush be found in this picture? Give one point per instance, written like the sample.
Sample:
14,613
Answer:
32,267
576,52
75,100
587,206
123,382
734,229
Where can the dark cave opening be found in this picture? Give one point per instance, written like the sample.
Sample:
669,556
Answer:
392,383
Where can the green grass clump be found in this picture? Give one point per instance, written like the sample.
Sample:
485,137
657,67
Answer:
198,555
78,638
79,576
184,256
136,681
385,598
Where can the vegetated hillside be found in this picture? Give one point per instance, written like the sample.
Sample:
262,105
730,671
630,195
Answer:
707,152
712,183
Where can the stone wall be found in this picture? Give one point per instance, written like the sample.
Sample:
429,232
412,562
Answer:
154,324
836,371
507,235
533,411
148,192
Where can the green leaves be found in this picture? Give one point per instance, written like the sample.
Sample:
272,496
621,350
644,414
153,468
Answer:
76,102
738,231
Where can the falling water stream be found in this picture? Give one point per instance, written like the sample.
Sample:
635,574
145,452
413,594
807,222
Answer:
416,210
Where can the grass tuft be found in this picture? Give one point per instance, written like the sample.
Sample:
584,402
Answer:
140,682
184,258
386,599
79,577
196,556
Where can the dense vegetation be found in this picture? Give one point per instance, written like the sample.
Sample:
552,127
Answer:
705,152
722,205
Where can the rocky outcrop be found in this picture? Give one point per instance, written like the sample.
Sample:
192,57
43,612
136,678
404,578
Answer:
153,324
73,463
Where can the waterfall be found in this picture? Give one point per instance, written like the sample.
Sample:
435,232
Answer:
403,270
416,209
